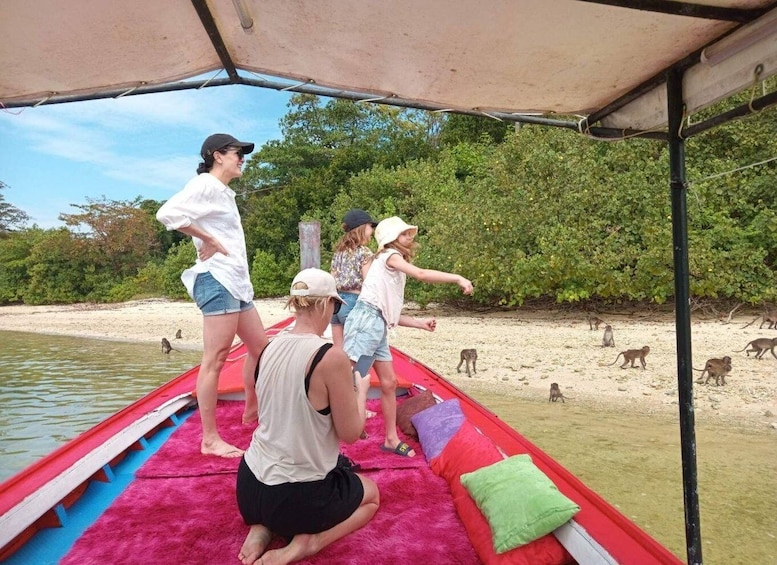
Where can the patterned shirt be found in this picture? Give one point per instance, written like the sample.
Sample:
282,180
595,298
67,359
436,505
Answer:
347,268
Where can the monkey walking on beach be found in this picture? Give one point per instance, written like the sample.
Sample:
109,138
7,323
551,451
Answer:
631,355
594,322
468,355
608,340
178,334
166,347
555,393
760,346
769,318
717,369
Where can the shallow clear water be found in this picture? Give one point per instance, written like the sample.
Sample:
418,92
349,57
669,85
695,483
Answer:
633,462
52,388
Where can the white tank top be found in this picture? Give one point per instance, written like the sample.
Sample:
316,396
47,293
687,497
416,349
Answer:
384,288
292,443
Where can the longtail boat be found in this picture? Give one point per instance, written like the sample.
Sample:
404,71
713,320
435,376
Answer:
136,489
605,69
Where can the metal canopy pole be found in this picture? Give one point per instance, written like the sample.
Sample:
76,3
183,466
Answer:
678,188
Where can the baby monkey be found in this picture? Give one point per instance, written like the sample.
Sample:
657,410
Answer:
631,355
717,369
608,340
555,393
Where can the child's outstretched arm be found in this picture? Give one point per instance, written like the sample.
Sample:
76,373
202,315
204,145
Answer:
429,275
428,324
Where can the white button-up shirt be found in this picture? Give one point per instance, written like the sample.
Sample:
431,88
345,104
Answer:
209,203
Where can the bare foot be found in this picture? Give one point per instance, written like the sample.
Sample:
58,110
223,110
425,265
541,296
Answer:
256,541
301,546
220,448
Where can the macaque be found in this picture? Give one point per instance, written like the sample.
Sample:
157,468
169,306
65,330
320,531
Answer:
178,334
770,319
166,347
631,355
760,346
593,322
608,340
468,355
717,369
555,393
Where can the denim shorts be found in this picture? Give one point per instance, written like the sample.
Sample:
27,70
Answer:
213,299
350,299
366,335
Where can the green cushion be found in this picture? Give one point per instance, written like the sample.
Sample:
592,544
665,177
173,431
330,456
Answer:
519,501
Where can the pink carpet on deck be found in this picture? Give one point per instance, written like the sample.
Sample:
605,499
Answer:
193,517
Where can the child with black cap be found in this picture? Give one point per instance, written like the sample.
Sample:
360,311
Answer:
350,263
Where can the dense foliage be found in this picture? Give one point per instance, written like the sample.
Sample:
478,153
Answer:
525,213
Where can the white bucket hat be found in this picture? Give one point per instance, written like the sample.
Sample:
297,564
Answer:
388,230
319,284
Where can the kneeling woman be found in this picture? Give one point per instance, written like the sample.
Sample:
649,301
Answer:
288,482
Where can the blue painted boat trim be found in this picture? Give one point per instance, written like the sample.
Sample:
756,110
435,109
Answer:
50,545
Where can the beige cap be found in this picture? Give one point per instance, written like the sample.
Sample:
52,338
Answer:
388,230
319,284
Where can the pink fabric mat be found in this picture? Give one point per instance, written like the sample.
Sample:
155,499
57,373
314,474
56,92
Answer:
180,455
193,517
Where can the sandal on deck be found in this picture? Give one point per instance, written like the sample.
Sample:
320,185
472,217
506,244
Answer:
402,449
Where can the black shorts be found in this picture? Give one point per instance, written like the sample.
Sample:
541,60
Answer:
298,508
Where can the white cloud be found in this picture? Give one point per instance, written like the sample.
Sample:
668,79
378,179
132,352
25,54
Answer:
137,145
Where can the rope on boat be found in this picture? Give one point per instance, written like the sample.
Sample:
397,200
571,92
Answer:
750,166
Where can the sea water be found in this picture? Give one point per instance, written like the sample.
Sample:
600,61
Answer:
52,388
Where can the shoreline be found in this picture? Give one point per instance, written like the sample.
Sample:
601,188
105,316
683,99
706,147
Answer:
520,353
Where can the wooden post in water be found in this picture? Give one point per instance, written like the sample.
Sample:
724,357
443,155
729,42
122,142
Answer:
310,245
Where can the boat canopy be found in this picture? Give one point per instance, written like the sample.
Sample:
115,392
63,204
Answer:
599,65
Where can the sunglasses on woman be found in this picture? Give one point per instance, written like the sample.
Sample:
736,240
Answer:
337,305
237,150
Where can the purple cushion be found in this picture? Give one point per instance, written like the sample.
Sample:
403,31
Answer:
437,425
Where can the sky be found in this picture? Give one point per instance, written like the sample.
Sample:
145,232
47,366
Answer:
148,145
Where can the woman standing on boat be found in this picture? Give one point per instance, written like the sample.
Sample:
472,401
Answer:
219,281
288,482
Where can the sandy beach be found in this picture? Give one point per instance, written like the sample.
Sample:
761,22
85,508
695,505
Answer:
520,352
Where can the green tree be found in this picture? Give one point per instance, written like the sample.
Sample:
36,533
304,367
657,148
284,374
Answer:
11,217
179,258
324,144
15,250
165,238
461,128
121,233
60,269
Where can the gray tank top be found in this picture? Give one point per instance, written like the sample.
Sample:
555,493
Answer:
292,442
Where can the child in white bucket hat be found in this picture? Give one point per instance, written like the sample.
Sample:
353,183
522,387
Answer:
379,308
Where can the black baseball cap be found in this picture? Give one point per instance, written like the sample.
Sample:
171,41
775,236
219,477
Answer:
354,218
219,141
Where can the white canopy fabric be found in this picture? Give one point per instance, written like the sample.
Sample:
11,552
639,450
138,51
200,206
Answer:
499,57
